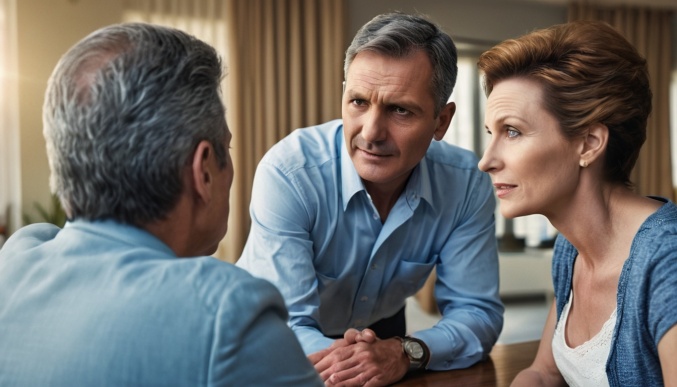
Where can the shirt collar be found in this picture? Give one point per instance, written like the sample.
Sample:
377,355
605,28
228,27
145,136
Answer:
418,186
351,183
124,233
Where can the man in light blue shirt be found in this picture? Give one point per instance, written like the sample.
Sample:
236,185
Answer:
137,143
350,217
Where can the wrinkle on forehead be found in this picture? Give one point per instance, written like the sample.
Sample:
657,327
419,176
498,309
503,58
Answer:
383,78
515,99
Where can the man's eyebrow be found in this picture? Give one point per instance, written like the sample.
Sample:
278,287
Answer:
408,104
354,93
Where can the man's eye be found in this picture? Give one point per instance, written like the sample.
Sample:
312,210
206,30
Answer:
400,110
512,133
358,102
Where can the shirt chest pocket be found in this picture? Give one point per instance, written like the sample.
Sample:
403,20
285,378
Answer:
406,280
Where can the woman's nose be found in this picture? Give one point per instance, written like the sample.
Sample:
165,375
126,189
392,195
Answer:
488,162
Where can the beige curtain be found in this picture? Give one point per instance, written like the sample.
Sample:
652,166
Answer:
10,187
284,62
650,31
286,72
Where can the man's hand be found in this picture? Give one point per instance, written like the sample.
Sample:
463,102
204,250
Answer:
361,359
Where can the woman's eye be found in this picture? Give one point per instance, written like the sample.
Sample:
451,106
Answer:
512,133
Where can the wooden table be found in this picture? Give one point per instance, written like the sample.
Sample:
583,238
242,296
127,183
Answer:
504,362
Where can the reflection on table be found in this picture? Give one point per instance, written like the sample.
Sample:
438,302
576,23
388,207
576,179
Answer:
503,364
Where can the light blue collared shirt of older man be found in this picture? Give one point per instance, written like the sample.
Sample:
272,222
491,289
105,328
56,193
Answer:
317,236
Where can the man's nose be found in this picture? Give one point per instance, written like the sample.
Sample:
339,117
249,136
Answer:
374,126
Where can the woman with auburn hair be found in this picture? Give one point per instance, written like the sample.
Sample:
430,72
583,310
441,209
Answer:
567,110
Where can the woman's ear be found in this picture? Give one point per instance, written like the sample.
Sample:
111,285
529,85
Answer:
202,174
594,144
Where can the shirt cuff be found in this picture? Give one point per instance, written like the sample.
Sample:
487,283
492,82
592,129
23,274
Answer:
311,339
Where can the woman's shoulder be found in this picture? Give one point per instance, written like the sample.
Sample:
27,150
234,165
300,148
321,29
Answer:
653,255
659,230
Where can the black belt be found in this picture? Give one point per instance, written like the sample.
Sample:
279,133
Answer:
393,326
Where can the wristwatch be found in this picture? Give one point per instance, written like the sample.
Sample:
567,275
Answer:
417,352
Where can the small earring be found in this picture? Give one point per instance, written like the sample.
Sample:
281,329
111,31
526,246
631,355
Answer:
583,164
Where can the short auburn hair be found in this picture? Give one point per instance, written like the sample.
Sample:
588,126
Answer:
589,74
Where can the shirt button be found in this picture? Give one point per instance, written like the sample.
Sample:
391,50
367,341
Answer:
358,323
364,298
374,267
375,215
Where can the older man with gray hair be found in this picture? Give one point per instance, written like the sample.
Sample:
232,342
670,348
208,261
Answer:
138,149
367,206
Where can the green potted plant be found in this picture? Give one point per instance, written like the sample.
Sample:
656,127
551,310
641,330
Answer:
55,214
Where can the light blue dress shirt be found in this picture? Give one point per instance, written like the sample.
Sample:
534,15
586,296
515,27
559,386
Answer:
103,304
317,236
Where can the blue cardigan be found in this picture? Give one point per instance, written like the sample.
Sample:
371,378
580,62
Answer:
646,300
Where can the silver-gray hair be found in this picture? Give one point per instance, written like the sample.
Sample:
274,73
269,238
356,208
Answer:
398,35
124,111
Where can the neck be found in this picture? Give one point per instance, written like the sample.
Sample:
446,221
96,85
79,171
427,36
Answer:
175,229
384,197
601,226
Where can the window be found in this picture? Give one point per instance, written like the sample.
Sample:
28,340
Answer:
10,192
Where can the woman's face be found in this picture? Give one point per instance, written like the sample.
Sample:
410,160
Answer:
534,168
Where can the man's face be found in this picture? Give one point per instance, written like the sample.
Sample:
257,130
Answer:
389,117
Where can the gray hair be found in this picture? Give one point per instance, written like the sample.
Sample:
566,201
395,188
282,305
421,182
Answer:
398,35
124,111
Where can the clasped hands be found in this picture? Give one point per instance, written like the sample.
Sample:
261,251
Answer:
360,358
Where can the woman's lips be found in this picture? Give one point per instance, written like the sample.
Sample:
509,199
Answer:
503,190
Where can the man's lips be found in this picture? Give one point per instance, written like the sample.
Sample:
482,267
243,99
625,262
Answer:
375,154
503,189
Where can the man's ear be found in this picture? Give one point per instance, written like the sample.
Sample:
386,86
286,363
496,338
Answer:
202,173
443,120
594,143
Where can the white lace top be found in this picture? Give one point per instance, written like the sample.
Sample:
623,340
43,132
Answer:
584,365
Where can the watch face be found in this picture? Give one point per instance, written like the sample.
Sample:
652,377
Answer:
414,349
